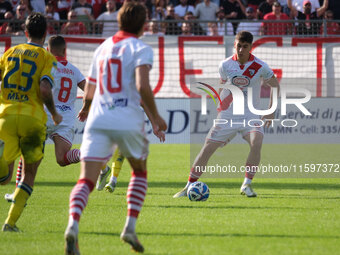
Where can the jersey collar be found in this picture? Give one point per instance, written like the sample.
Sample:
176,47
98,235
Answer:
61,60
122,35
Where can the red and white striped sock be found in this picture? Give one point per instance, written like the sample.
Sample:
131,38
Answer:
250,173
79,197
19,171
194,175
72,156
135,198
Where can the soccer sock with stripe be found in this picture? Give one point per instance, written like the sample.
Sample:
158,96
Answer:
21,195
72,156
19,171
250,173
117,163
135,198
78,200
193,176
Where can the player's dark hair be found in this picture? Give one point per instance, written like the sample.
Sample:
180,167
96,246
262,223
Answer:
57,42
131,17
244,36
36,25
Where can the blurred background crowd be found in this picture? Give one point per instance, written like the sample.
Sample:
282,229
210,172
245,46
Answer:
179,17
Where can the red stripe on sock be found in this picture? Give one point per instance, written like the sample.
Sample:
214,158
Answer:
133,213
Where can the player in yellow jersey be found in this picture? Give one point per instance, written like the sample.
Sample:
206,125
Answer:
27,78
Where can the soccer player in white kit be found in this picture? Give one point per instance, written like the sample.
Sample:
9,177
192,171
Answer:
243,70
118,81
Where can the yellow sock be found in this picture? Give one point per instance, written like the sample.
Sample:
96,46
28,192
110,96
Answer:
4,171
117,163
21,195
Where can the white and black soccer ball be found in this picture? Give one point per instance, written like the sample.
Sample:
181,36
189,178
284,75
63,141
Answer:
198,191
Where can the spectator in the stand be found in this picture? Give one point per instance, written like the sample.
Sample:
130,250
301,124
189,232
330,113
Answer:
73,26
7,18
84,13
221,21
264,8
334,5
196,28
299,4
308,27
64,6
98,7
154,29
213,29
333,28
206,10
17,27
159,10
252,27
171,25
29,8
52,18
5,6
14,4
38,5
186,29
107,26
274,28
234,9
254,4
183,8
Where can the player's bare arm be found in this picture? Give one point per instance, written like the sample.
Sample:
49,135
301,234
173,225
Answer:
47,98
155,129
87,100
143,86
273,83
320,11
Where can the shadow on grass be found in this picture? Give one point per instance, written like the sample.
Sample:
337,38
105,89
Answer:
225,185
195,234
230,207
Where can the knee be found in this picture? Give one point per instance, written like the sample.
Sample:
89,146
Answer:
256,146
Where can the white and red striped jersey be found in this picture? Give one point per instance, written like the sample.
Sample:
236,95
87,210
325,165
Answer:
116,103
245,76
66,80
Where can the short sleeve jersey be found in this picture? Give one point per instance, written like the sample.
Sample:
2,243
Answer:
116,103
244,77
66,79
22,68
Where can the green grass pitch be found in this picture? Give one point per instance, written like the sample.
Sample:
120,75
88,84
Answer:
290,216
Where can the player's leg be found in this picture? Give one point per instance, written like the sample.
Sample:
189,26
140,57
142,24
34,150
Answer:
9,197
135,199
63,153
117,164
78,201
200,162
96,143
255,142
104,173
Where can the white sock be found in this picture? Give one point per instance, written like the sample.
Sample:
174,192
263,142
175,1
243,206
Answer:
130,224
73,224
188,183
247,181
113,179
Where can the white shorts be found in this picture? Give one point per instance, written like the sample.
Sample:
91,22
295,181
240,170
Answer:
66,133
99,144
224,133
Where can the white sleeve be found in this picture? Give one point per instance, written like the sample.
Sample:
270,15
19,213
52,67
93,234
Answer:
144,56
80,76
267,72
223,75
92,74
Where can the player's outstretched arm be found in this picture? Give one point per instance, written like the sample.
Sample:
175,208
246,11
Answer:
87,100
47,98
273,83
143,86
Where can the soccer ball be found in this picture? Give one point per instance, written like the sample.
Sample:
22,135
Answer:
198,191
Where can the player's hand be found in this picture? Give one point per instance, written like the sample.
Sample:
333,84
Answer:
82,115
158,133
268,119
57,118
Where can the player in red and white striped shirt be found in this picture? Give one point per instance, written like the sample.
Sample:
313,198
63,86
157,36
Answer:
118,81
245,71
